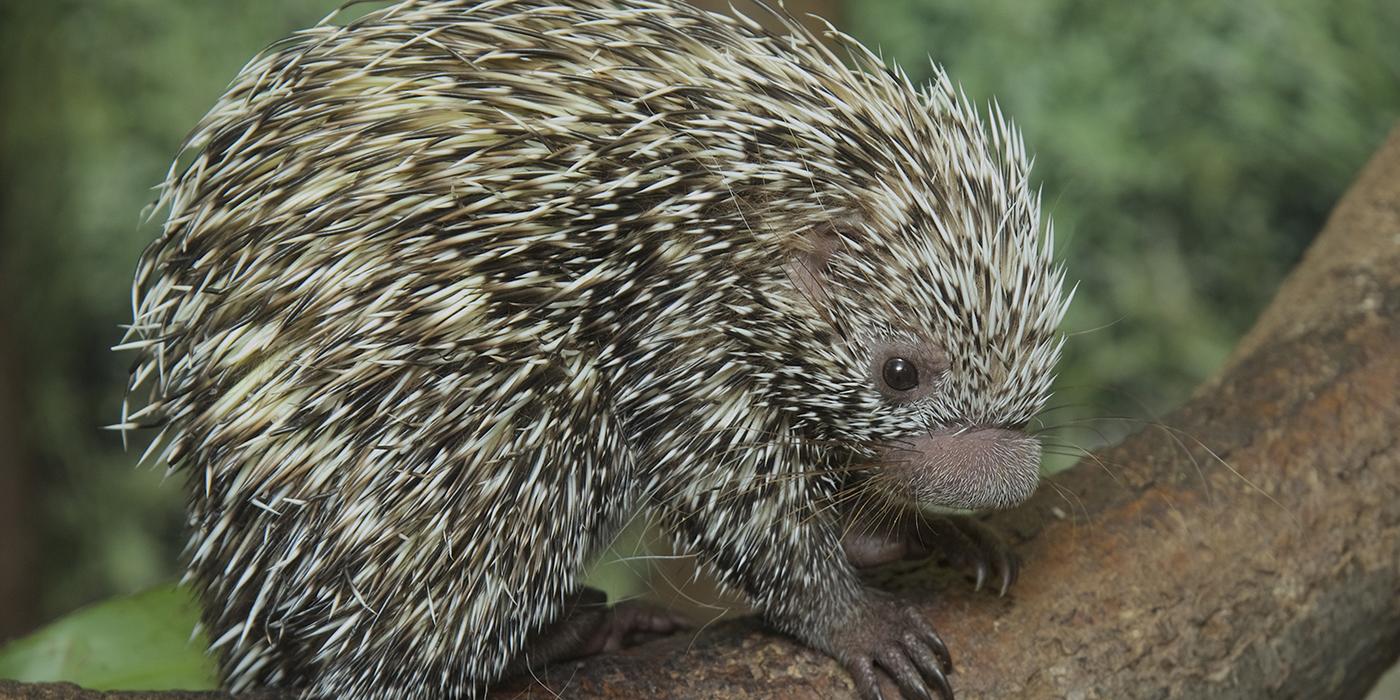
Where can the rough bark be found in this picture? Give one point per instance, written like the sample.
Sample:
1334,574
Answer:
1246,547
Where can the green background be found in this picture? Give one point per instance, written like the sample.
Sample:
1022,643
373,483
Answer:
1188,152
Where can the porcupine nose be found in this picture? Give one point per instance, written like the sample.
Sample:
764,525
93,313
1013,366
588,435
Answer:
968,467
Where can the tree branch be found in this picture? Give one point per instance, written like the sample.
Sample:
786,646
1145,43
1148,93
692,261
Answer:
1246,547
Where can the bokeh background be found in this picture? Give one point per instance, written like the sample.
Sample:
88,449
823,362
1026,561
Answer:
1188,151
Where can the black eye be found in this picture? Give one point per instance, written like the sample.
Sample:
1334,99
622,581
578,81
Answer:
901,374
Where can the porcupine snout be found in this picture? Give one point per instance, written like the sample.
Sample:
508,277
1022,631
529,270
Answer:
974,468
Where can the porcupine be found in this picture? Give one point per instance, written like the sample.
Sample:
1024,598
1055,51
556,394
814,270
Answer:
449,292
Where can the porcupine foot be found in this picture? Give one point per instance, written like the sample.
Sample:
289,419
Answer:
889,637
961,541
590,626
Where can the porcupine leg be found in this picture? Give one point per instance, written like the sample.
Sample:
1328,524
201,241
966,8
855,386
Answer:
960,540
786,559
488,530
590,626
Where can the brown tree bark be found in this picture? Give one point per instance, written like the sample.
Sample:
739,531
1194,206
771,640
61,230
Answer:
1246,547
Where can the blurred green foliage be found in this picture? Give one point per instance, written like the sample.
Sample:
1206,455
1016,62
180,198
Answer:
1188,152
143,641
96,98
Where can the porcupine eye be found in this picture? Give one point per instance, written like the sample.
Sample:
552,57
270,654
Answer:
901,374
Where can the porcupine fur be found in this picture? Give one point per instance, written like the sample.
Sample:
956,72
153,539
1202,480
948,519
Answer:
448,293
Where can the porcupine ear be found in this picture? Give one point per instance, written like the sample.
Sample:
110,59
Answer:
811,257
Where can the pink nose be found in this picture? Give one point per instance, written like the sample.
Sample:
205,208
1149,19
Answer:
970,468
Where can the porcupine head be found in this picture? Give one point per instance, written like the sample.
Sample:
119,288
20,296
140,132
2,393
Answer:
448,294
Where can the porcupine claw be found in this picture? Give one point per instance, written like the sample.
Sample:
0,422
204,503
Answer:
962,541
967,542
893,639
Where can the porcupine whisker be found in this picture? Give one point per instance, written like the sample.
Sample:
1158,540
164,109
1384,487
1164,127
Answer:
717,617
646,557
887,510
1178,433
530,668
1086,423
679,590
1066,442
1082,453
1061,407
845,509
862,498
642,511
1096,329
1175,435
1065,495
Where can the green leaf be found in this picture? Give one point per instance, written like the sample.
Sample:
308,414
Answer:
139,642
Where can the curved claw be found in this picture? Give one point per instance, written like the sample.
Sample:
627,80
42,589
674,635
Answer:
867,683
891,639
931,663
1010,569
966,542
938,679
898,664
935,642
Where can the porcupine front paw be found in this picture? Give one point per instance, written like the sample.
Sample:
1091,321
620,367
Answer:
886,636
962,541
967,543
